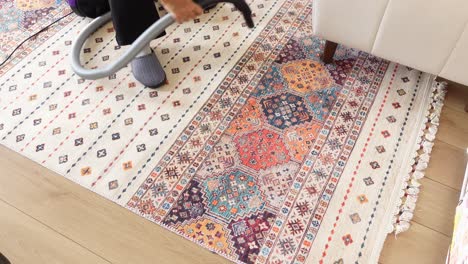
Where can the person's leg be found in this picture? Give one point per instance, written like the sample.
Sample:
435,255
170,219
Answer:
131,18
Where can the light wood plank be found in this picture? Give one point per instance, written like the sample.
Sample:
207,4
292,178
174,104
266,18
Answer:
436,206
453,128
92,221
419,245
25,240
457,97
447,165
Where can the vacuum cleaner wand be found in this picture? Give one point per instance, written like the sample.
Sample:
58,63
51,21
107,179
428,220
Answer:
140,43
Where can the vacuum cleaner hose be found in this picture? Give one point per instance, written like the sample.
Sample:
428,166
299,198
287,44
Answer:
140,43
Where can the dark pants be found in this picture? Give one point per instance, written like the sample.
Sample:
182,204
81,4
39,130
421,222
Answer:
131,18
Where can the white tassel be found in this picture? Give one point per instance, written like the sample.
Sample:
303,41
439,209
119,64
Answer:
406,216
414,182
427,146
410,203
430,137
422,165
409,195
402,227
424,157
418,175
432,130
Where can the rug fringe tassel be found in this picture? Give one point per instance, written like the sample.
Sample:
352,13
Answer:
409,194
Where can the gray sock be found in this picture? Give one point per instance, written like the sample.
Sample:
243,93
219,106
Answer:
147,50
147,69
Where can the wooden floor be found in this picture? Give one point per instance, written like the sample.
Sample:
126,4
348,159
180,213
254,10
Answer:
45,218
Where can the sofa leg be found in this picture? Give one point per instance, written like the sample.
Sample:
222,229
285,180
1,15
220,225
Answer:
329,51
3,259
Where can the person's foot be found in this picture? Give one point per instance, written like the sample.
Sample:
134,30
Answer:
147,69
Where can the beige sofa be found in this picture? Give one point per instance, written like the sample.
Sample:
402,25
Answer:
428,35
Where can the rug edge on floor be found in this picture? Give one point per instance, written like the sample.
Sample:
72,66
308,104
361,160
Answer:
406,192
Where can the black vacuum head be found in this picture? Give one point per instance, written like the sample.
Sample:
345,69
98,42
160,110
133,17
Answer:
241,5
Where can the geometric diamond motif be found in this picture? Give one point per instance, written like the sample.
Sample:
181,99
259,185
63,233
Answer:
127,165
271,82
190,204
401,92
56,131
375,165
276,182
368,181
39,147
78,142
52,107
153,132
165,117
285,110
340,69
287,246
16,112
380,149
300,139
20,138
141,147
306,75
322,101
37,121
208,233
101,153
249,233
385,133
295,227
261,149
355,218
86,171
63,159
362,199
232,194
347,239
292,51
303,208
128,121
113,184
93,125
391,119
159,189
246,120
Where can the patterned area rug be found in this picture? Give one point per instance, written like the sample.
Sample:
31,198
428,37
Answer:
20,19
254,149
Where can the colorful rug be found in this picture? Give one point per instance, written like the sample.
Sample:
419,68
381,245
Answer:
20,19
254,149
